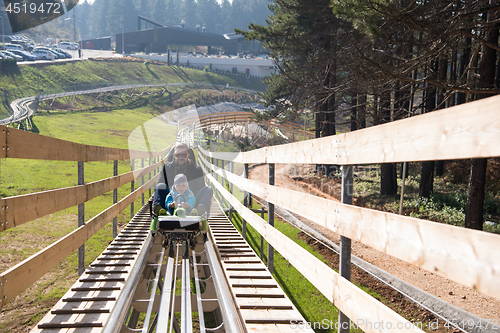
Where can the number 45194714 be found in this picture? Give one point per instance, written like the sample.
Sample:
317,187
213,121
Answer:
33,8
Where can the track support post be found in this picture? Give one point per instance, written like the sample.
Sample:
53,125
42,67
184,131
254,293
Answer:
231,169
345,243
81,220
245,203
270,219
132,187
142,181
115,200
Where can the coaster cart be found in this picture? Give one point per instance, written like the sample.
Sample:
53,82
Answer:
178,227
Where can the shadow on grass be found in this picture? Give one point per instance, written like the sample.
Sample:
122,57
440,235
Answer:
152,72
181,74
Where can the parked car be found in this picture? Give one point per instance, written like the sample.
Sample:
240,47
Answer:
13,47
43,54
25,55
67,54
59,55
67,46
5,56
25,44
46,49
13,55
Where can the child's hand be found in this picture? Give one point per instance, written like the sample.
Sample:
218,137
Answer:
185,205
172,205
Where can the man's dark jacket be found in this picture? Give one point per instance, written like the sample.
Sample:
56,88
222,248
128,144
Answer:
193,173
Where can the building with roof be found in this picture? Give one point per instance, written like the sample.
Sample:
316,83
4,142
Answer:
153,37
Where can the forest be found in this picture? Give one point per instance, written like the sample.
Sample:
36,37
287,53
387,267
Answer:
386,60
108,17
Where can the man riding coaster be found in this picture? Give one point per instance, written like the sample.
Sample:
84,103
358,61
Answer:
183,163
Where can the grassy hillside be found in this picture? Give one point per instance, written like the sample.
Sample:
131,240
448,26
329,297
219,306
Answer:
29,80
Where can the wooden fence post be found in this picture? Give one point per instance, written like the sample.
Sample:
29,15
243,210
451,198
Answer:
345,243
149,176
231,169
222,166
115,200
142,179
81,220
245,203
270,219
262,238
132,186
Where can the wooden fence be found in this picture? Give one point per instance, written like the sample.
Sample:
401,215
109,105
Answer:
206,120
26,145
467,256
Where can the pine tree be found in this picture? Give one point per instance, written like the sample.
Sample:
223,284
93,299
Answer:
188,13
160,12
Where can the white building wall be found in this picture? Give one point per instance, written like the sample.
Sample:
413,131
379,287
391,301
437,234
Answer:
256,67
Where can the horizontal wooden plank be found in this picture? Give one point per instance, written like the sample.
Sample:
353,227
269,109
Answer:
70,325
79,310
254,156
40,204
463,255
253,285
88,299
14,212
346,296
28,145
464,131
266,307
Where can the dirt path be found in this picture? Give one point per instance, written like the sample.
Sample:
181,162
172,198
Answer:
470,300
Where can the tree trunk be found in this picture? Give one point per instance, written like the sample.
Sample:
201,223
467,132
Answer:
426,183
477,183
354,115
361,111
388,182
464,61
388,175
439,168
427,175
443,73
403,172
328,106
475,196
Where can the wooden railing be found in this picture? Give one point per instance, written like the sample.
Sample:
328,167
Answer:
20,144
467,256
206,120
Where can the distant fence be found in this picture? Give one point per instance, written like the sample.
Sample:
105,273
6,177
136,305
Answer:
467,256
207,120
20,209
